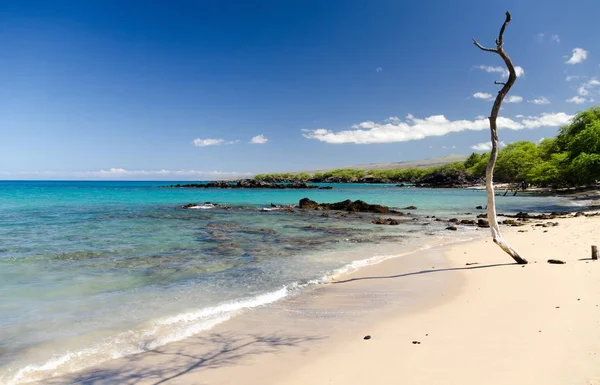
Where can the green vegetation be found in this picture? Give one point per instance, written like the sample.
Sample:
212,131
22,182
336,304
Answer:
570,159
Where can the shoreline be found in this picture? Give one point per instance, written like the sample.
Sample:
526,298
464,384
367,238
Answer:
294,292
315,330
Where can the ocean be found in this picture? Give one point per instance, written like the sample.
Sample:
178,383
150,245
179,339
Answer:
91,271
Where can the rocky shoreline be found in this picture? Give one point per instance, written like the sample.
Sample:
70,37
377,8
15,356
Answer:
345,209
251,183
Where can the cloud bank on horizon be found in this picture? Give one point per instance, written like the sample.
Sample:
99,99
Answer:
116,173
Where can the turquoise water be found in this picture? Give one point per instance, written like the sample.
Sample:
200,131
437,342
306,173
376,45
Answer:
96,270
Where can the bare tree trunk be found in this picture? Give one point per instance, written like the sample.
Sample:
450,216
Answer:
489,172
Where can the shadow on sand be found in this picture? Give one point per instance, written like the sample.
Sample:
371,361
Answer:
428,271
218,350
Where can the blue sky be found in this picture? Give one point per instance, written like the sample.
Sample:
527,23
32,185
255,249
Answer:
179,90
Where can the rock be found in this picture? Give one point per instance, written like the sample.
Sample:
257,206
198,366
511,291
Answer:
453,228
366,337
326,215
389,221
189,205
482,216
249,183
410,208
326,188
556,262
457,178
416,342
453,220
472,263
483,223
479,208
579,214
347,205
308,204
273,205
400,185
468,222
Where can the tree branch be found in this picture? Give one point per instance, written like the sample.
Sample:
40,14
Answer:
484,48
489,172
501,34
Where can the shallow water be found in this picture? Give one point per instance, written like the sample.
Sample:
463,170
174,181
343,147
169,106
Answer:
96,270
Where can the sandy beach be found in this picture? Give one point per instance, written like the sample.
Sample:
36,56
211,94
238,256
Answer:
459,314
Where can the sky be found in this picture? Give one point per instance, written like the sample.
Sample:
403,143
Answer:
192,90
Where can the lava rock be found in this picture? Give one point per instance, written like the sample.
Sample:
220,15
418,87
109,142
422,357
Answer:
483,223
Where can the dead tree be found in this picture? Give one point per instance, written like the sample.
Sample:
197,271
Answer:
489,171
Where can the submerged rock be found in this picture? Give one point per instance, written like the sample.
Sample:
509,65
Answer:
483,223
389,221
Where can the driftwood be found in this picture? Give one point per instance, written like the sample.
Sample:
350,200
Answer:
489,172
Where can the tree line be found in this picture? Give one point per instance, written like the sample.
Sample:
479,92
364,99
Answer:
572,158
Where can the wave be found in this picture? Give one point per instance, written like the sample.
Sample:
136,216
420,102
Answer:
148,336
204,206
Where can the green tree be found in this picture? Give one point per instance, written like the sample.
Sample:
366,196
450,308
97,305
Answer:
515,161
473,159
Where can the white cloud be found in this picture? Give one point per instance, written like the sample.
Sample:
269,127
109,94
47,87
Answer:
540,100
259,139
211,142
582,90
479,117
579,55
539,37
587,87
436,125
490,69
555,38
481,95
486,146
116,173
576,100
519,71
514,99
378,69
572,77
